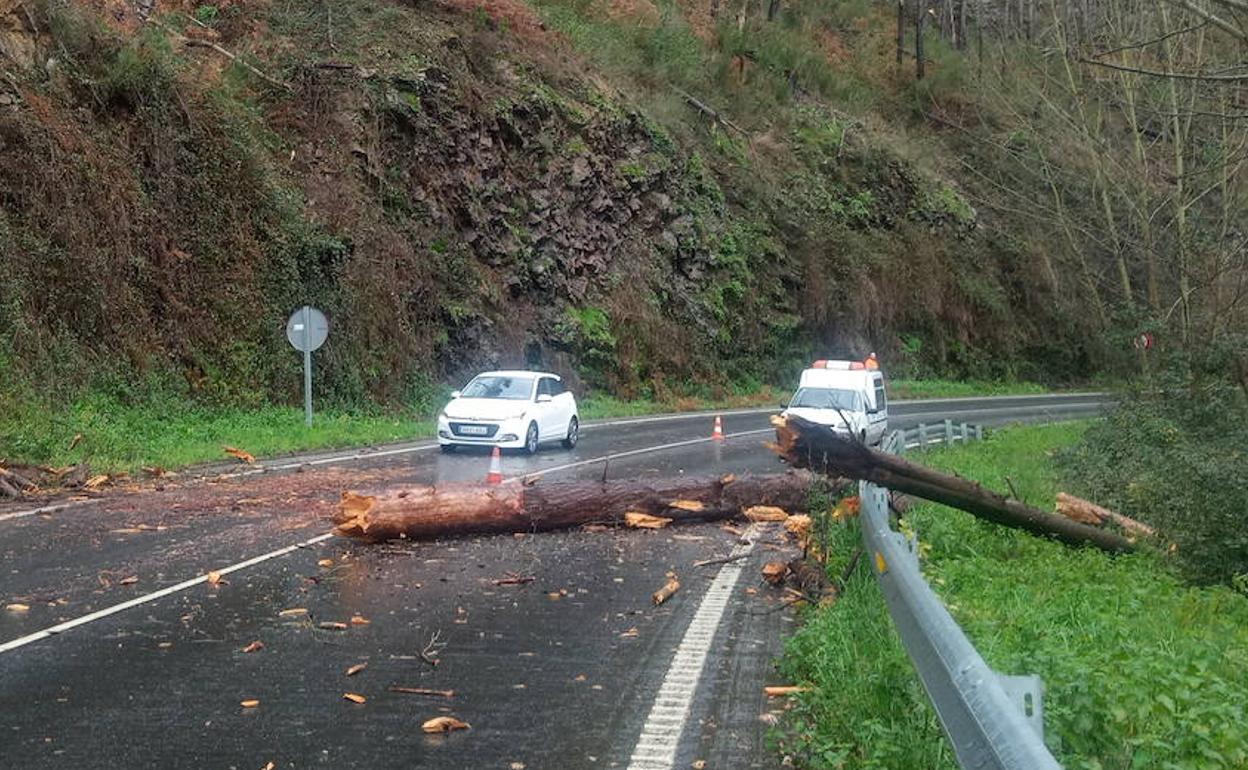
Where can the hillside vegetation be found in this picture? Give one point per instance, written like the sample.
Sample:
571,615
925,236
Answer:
650,198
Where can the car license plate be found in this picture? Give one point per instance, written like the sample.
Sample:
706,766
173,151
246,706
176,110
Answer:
474,430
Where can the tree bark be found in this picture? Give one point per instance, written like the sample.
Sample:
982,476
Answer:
804,444
919,64
901,29
454,509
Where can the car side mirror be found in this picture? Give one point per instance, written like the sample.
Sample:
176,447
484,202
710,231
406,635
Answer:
784,406
544,398
455,394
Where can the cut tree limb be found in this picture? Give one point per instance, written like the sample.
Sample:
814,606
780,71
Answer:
453,509
1090,513
804,444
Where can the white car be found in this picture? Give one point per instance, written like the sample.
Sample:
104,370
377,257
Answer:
509,409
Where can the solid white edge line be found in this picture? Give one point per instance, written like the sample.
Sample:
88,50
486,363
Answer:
153,596
659,740
67,625
47,509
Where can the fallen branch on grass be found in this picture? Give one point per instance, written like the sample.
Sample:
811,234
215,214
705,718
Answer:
804,444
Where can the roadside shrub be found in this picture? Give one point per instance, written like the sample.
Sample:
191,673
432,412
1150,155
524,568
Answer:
1175,458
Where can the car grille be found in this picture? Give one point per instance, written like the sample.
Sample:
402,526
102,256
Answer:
473,430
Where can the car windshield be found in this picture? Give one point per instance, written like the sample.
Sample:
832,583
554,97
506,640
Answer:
511,388
827,398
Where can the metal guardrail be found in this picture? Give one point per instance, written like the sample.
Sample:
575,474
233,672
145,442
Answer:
993,721
947,432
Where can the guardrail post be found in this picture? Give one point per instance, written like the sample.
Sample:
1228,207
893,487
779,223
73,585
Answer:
948,432
965,436
979,433
922,435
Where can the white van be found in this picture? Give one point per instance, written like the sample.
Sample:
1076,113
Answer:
846,395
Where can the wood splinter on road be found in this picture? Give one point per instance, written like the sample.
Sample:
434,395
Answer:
452,509
665,593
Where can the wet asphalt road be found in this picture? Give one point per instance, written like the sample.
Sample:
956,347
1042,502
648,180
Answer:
556,673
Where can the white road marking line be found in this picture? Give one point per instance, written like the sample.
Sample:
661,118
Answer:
46,509
166,591
67,625
660,734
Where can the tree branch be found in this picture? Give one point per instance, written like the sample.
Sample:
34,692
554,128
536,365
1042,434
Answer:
1172,75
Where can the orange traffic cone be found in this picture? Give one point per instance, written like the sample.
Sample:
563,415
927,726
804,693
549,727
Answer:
718,433
495,476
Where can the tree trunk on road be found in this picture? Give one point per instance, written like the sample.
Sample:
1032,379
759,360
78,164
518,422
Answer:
806,445
454,509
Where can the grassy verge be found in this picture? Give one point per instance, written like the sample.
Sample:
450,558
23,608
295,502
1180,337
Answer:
1141,670
956,388
166,432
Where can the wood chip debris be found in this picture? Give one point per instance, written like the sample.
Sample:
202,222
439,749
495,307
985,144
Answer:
421,691
783,690
354,697
765,513
639,520
239,454
444,725
250,703
514,580
255,646
692,506
665,593
357,668
774,572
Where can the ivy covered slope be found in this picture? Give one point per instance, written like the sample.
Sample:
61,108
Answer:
460,187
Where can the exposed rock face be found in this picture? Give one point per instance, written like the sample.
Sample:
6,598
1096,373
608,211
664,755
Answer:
18,35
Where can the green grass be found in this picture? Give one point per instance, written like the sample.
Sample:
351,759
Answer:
962,388
1141,670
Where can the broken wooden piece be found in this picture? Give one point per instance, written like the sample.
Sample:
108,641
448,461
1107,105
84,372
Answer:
805,444
1088,512
423,512
663,594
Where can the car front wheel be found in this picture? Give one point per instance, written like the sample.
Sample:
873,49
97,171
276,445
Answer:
530,439
446,448
574,430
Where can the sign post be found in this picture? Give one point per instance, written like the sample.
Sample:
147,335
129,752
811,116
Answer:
307,330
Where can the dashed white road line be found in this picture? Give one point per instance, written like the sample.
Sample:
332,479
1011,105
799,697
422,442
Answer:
185,584
660,734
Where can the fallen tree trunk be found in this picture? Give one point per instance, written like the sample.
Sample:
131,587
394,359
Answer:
453,509
804,444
